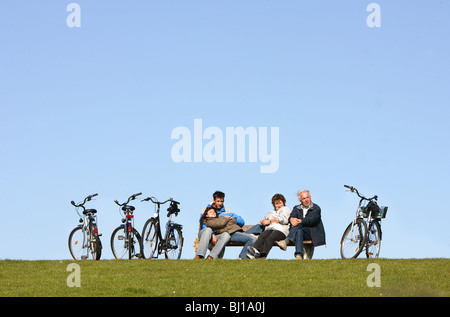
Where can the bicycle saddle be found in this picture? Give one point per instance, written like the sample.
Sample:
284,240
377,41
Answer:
125,208
92,211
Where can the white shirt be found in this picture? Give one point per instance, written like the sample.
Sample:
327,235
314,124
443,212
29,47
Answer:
305,209
282,216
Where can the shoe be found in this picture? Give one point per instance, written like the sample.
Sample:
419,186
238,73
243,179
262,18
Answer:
198,257
298,256
252,253
282,244
210,258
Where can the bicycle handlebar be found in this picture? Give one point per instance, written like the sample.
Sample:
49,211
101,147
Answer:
173,208
353,189
132,197
158,202
88,198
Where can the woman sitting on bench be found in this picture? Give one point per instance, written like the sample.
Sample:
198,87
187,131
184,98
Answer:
227,224
277,228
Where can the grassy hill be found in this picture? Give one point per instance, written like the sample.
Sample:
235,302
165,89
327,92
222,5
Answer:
230,278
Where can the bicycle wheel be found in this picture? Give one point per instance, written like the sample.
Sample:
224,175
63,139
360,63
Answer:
373,243
96,247
354,239
79,244
173,243
150,239
124,244
95,243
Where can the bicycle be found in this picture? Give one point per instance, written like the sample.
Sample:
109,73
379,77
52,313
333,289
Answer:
84,240
364,234
172,244
125,239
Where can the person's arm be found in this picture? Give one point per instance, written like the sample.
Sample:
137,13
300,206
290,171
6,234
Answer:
239,220
267,218
216,223
295,218
283,215
202,224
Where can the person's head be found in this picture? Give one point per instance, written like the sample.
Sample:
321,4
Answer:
278,201
304,197
218,199
210,212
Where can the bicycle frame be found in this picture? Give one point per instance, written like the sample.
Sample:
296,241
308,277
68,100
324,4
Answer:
364,232
128,227
89,229
128,220
359,213
170,225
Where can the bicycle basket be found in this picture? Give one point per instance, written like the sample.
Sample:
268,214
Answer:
378,212
382,210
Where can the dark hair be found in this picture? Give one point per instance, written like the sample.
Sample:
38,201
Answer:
218,194
278,197
203,217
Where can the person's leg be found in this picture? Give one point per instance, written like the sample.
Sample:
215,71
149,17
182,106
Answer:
256,229
204,236
301,233
297,238
245,238
260,241
222,240
306,236
274,235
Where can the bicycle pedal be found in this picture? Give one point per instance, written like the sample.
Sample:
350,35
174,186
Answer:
84,257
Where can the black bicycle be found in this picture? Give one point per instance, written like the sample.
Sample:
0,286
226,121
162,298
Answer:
125,239
84,240
154,244
361,233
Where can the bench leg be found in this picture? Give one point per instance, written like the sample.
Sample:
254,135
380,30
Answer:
308,251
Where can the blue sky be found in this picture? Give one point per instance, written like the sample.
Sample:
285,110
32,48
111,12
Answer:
91,109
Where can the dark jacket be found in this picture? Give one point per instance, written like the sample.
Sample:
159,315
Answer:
313,221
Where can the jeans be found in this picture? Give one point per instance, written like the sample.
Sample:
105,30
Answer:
297,234
218,250
243,237
256,229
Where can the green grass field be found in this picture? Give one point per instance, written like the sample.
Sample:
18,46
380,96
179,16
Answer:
229,278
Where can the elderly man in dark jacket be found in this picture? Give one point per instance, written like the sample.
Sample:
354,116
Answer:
306,224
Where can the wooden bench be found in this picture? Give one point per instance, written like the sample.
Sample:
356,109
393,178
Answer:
308,248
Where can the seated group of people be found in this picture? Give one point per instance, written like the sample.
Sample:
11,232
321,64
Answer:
218,226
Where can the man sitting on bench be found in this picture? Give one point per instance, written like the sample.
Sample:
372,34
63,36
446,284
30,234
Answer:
219,241
306,224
